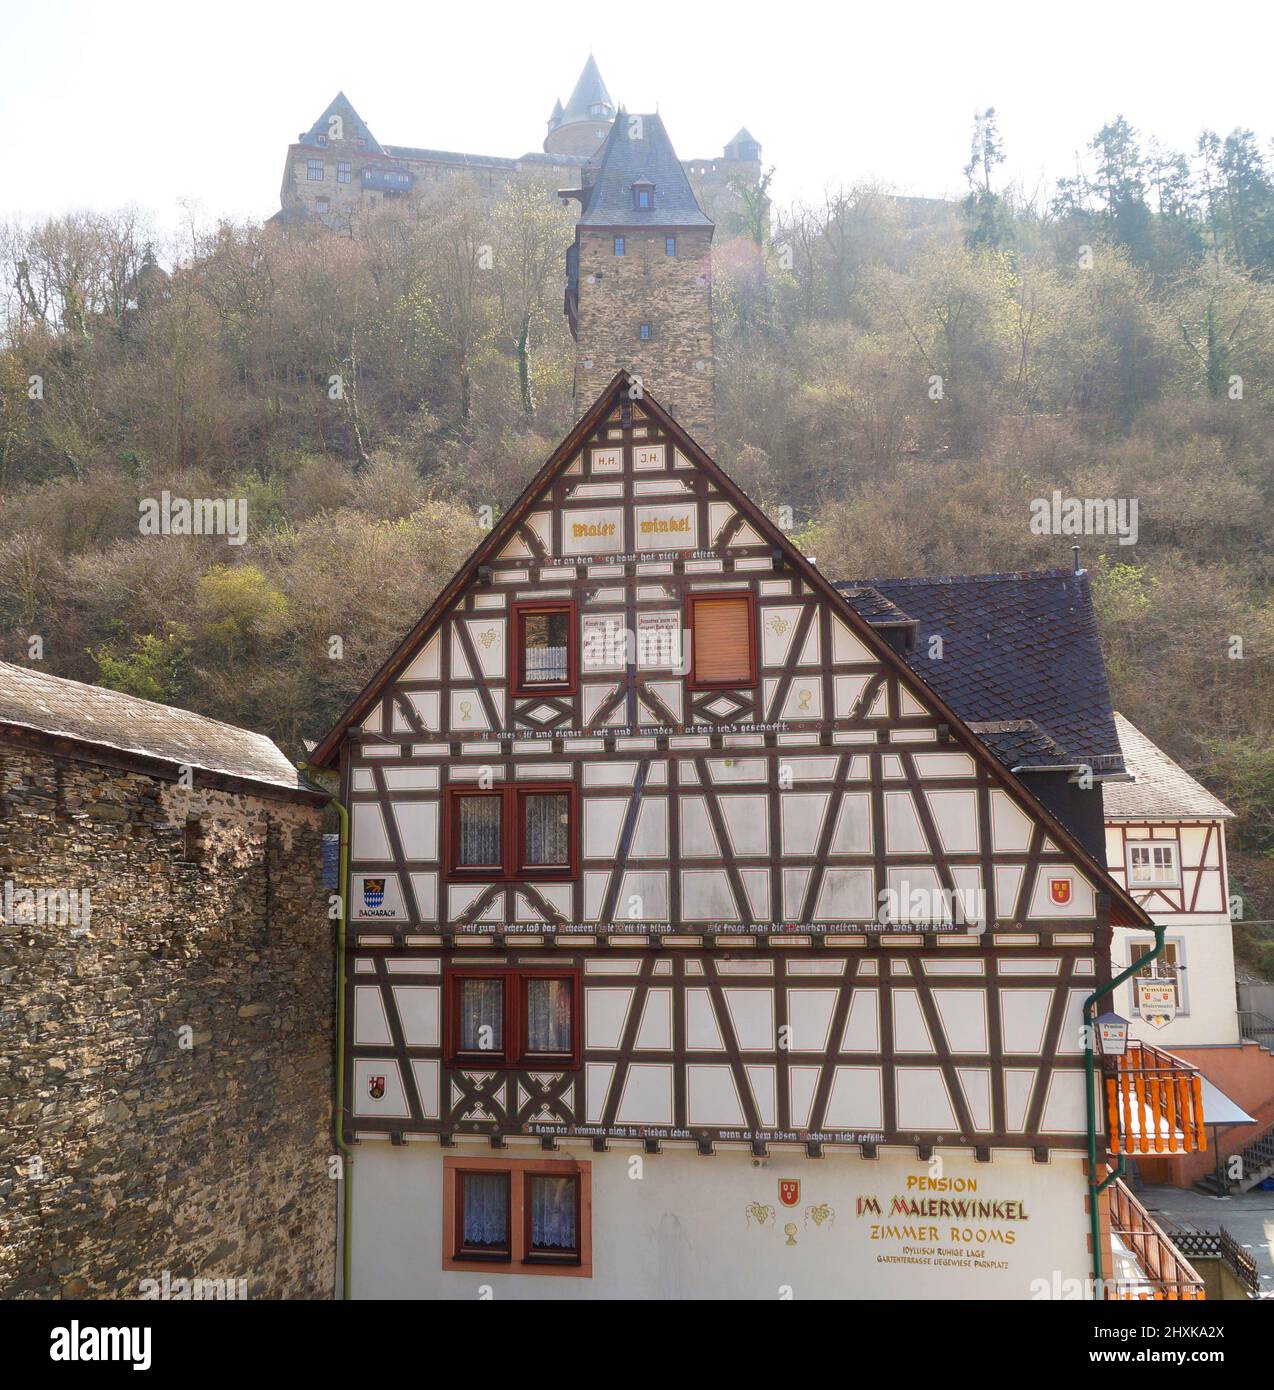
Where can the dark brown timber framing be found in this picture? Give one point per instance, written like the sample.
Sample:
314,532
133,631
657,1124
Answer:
1125,911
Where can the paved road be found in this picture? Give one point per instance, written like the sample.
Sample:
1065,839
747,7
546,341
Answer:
1248,1216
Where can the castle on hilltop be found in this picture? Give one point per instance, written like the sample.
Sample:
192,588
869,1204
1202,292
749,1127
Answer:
337,166
639,274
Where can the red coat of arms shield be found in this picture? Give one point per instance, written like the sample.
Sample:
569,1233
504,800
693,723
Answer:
376,1087
789,1191
1060,890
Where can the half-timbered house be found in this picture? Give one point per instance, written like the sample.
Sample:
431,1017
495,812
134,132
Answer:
1017,656
697,946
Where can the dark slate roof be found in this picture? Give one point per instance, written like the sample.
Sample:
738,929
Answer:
1015,647
875,607
355,126
92,714
590,90
623,159
1020,743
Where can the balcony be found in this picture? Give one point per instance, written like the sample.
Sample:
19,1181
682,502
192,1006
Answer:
1155,1103
1145,1264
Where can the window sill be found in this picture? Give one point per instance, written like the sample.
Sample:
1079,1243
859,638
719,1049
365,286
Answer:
542,692
495,875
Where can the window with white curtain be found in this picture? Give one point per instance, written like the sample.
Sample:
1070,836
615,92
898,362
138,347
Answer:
546,820
482,1015
549,1004
479,839
554,1217
515,832
518,1215
509,1016
485,1213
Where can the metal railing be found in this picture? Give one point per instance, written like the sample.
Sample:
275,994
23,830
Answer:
1217,1245
1167,1273
1155,1103
1255,1027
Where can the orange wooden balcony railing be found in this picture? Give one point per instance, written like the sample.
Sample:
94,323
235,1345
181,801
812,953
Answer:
1165,1271
1155,1102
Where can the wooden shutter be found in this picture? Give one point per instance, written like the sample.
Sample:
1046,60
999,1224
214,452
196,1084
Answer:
723,640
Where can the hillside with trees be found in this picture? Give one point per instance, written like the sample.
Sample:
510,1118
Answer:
898,379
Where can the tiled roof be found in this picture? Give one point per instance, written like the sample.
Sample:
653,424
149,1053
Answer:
1014,647
1159,787
625,158
92,714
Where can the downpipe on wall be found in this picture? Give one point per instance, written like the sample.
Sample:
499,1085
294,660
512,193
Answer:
1095,1189
338,1124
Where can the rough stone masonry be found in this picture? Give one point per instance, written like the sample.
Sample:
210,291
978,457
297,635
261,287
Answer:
166,1069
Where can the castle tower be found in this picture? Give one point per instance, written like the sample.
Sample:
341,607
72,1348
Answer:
639,276
583,125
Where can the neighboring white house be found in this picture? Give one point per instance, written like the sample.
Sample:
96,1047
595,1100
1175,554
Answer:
1165,842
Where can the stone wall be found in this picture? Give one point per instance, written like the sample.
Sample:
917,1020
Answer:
645,285
166,1060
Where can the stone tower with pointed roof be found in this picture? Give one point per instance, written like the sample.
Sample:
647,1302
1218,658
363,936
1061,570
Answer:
639,275
580,127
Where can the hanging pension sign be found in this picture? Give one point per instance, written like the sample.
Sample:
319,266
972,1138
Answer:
1157,1001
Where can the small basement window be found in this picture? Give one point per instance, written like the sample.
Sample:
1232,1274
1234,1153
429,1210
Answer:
722,638
518,1216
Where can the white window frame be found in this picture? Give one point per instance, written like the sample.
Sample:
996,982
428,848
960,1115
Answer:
310,175
1172,847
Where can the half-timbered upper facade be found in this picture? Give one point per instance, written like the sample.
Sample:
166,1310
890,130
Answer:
653,835
1165,844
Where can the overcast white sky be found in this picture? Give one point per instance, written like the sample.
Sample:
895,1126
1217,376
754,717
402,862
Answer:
112,103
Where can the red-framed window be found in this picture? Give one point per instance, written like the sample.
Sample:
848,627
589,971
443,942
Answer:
551,1211
483,1215
543,648
524,831
513,1017
518,1216
723,640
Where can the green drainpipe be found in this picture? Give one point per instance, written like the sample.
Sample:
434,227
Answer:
347,1153
1095,1188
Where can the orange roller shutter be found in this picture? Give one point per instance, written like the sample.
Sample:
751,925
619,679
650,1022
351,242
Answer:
723,640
